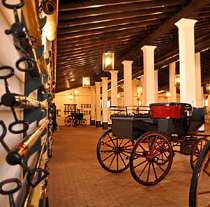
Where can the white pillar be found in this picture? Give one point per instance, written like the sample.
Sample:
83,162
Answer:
135,92
128,99
98,108
93,106
187,60
172,72
114,87
149,78
104,99
156,86
199,98
143,92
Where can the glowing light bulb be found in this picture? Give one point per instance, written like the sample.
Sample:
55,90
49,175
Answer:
168,94
108,61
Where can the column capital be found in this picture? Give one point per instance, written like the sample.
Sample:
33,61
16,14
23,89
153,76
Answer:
127,62
186,23
113,71
97,84
104,78
148,48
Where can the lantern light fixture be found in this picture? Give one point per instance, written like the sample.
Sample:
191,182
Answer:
140,88
71,96
108,61
168,94
86,82
177,80
208,88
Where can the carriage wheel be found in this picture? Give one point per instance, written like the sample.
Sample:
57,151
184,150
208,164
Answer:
67,121
84,122
151,158
200,182
75,122
196,150
113,153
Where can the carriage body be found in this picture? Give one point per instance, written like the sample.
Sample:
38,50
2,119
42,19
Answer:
170,118
146,139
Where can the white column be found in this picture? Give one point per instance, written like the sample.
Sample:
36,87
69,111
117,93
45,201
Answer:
143,92
128,99
93,106
98,109
172,72
199,98
135,92
149,78
114,87
187,60
104,99
156,86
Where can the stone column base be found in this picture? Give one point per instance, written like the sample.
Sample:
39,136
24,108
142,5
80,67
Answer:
105,125
98,123
92,122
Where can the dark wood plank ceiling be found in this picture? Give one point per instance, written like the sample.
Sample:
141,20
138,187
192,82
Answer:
87,28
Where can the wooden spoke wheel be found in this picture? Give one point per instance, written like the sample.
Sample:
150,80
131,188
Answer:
151,158
113,153
200,182
196,150
75,122
67,121
84,122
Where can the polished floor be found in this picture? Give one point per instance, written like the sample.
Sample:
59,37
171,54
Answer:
76,178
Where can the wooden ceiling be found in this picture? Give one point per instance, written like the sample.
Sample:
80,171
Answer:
87,28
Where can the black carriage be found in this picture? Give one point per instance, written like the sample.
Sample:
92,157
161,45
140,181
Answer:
75,118
79,120
146,139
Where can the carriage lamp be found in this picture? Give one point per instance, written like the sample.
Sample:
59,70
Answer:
86,82
177,80
108,61
208,88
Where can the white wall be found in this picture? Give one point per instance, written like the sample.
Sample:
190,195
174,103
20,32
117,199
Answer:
9,56
83,97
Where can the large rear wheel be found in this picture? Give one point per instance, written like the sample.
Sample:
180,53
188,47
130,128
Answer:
151,158
200,182
113,152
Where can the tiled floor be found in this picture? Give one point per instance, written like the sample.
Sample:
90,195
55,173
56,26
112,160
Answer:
76,178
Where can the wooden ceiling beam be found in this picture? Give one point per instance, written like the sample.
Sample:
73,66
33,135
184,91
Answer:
95,43
110,29
192,8
118,8
96,3
107,36
116,16
123,22
96,46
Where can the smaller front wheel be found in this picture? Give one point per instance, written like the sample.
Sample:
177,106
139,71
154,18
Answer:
196,151
113,152
151,158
